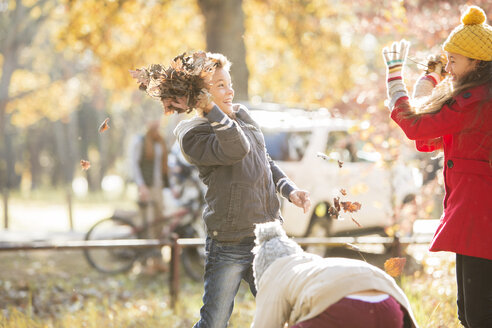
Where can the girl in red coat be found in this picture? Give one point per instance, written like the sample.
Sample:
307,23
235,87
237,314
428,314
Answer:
456,117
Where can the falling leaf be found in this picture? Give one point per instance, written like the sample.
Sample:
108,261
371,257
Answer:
104,125
336,203
351,207
394,266
333,212
355,221
343,192
85,164
340,163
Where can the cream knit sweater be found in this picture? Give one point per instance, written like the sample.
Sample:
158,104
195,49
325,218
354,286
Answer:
301,286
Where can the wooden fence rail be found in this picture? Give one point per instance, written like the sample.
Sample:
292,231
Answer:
177,245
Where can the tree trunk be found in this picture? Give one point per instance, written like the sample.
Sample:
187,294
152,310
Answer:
34,138
224,26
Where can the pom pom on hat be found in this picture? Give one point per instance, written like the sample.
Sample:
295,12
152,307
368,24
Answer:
473,38
272,243
473,16
266,231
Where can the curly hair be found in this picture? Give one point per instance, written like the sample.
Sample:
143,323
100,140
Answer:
447,90
184,81
221,60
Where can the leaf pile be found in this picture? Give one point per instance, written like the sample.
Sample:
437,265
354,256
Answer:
184,81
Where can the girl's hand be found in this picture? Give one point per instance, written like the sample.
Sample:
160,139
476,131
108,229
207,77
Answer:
301,199
435,66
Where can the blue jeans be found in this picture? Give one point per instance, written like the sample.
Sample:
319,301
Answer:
225,266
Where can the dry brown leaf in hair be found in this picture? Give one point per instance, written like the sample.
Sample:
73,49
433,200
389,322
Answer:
186,78
142,76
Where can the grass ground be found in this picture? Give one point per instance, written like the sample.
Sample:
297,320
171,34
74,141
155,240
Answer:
52,289
42,289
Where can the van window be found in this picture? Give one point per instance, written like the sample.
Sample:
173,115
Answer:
286,146
346,148
341,147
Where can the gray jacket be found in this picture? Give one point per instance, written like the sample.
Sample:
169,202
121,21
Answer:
240,176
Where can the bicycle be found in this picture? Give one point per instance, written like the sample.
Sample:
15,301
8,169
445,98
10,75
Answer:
185,222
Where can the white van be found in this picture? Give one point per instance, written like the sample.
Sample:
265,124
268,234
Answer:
310,146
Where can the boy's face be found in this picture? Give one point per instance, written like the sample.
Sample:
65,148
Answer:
459,65
221,90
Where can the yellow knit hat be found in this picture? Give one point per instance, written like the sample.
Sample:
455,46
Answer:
473,38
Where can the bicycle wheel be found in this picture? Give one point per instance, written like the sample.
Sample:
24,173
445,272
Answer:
112,260
193,258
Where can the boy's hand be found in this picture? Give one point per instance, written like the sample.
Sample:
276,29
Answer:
172,105
301,199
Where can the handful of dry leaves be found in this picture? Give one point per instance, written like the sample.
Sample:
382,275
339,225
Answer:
433,61
185,82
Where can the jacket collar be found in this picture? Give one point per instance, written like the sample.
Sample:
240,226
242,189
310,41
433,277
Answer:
472,95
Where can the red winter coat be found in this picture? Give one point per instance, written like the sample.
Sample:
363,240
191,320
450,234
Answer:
465,135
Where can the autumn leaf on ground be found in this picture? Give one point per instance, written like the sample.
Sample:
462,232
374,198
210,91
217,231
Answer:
104,125
394,266
351,207
343,192
85,164
356,222
340,163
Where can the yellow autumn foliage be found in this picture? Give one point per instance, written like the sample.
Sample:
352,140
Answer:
131,34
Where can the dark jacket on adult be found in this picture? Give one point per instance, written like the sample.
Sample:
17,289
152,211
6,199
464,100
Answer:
240,176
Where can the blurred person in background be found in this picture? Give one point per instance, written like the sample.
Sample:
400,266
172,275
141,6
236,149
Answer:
148,159
454,115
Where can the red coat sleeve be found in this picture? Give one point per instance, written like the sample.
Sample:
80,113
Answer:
449,120
429,145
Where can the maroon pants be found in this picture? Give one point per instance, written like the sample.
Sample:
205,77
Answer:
350,313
